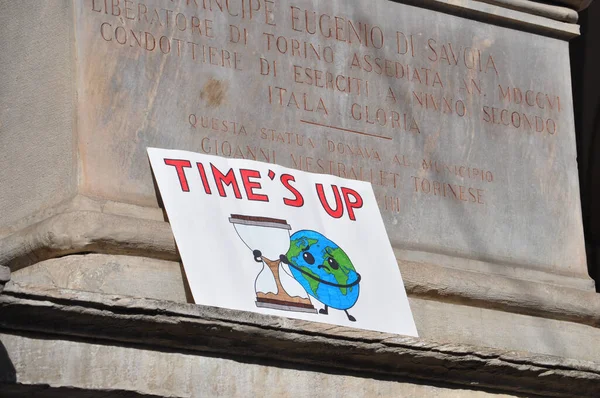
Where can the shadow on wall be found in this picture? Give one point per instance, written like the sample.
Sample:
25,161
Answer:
8,373
585,63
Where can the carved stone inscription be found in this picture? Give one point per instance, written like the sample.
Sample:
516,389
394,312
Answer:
464,129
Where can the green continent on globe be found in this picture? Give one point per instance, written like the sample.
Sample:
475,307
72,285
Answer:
313,282
297,245
296,248
345,266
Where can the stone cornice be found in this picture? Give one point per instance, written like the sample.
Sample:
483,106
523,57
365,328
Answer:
4,276
535,17
575,4
559,13
167,325
94,231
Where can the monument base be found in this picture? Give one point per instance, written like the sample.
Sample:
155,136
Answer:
451,305
69,324
194,350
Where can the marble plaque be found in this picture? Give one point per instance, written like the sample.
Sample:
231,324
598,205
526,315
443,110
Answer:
465,129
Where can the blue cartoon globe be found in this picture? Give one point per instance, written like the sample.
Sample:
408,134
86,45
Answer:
324,270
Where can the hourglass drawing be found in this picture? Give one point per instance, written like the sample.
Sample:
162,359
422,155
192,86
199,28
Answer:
269,238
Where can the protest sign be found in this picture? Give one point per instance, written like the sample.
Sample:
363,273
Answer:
260,237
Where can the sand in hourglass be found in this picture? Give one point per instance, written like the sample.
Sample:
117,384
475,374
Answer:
270,237
281,297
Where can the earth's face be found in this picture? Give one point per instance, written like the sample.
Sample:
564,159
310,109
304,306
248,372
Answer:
324,269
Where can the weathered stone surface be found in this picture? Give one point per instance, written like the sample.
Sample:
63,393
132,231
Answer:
141,371
85,231
483,327
476,324
526,15
544,244
4,276
90,230
512,273
80,203
576,4
120,320
121,275
500,292
543,9
447,305
471,156
37,104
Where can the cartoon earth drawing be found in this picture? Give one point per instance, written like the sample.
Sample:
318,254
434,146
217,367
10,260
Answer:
324,270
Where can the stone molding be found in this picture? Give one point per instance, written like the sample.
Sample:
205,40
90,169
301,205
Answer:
530,16
563,14
577,5
91,230
476,289
87,231
167,325
4,276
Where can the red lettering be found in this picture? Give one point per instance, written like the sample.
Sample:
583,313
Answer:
179,164
225,179
298,200
250,186
339,207
357,203
203,177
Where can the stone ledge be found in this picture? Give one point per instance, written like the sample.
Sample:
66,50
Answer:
502,293
87,231
18,390
558,13
168,325
577,5
4,276
84,231
529,16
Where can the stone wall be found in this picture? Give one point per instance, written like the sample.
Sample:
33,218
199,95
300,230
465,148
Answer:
98,302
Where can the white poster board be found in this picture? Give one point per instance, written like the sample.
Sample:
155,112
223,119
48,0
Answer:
264,238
